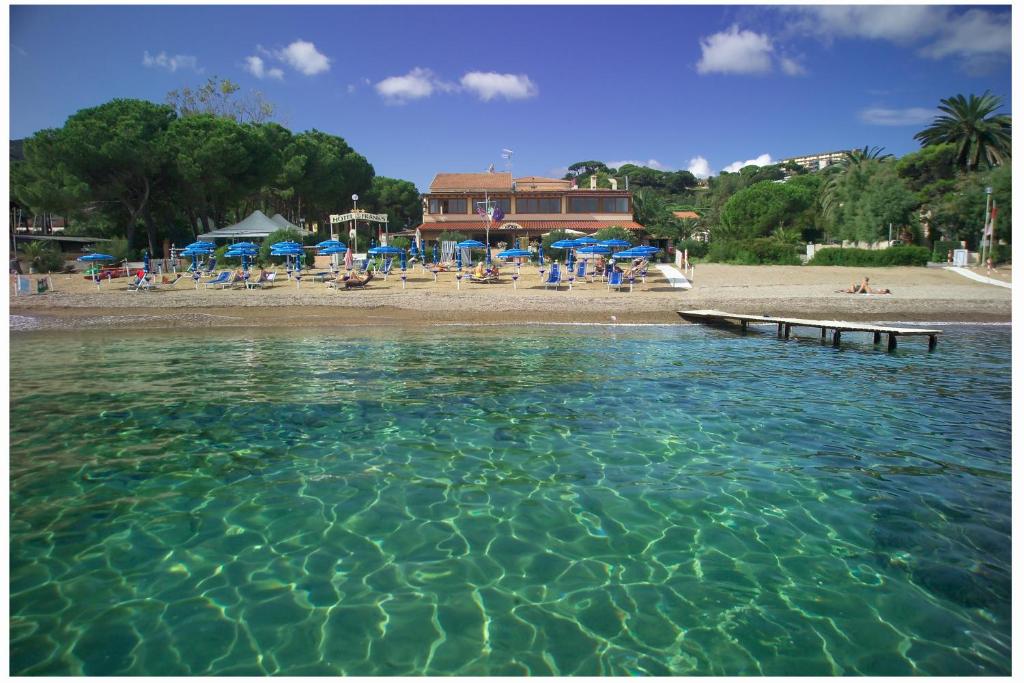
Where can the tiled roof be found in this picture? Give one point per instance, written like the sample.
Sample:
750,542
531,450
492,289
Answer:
453,182
582,226
686,214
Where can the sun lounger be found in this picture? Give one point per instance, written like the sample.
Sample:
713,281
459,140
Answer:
615,280
356,282
222,280
554,277
140,284
487,279
266,280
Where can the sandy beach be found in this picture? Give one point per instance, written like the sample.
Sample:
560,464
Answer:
919,295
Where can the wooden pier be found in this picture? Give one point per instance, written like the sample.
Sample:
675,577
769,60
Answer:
837,326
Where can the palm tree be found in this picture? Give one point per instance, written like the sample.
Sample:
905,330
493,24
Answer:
849,170
969,123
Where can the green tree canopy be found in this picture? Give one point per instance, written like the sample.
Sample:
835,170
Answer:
399,199
764,207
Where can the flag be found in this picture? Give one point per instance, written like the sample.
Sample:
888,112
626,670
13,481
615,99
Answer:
506,154
990,230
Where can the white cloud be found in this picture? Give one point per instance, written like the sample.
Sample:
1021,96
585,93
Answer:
791,67
256,67
736,52
699,167
171,63
351,88
488,85
650,163
944,30
762,160
880,116
415,85
303,56
975,32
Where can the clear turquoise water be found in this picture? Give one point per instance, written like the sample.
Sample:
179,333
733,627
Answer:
616,500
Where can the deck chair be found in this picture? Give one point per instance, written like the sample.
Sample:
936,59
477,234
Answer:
141,284
615,279
581,270
266,280
210,267
388,262
554,277
222,280
355,282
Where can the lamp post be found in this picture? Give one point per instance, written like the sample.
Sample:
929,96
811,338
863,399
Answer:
352,233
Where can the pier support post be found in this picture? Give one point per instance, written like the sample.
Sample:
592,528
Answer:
823,331
892,342
933,341
743,326
787,330
780,330
835,338
878,337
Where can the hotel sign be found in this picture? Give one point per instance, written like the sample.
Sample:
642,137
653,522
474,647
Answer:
358,216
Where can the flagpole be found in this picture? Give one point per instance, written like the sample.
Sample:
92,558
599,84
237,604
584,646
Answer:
984,229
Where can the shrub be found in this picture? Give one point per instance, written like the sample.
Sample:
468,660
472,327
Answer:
757,251
43,257
118,248
449,235
695,248
1002,253
941,249
893,256
614,232
400,242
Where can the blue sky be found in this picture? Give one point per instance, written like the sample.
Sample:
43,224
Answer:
418,90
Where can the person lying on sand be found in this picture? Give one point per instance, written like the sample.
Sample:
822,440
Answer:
863,288
356,281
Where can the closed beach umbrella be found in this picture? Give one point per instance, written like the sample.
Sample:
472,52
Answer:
540,255
348,259
402,259
458,259
145,261
436,254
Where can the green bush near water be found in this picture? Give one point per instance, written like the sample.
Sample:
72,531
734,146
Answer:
753,252
893,256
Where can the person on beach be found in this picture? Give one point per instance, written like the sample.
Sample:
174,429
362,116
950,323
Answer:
863,288
480,271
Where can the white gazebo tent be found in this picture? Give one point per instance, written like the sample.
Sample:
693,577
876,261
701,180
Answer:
283,222
257,225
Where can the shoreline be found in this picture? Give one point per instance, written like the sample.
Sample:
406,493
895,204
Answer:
920,296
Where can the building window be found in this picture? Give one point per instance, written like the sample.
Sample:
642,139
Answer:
538,205
447,206
503,203
582,204
615,205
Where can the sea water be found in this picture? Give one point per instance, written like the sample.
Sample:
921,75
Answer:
491,501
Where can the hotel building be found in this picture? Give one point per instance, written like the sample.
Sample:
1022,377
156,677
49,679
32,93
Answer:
532,206
816,162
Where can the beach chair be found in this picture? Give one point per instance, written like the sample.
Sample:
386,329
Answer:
388,262
581,270
615,279
554,277
222,280
140,283
210,267
265,280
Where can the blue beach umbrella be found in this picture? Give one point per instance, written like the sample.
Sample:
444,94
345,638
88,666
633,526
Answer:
145,261
402,259
594,249
470,244
458,259
330,251
540,255
436,254
585,240
387,249
515,253
614,243
564,244
330,243
96,258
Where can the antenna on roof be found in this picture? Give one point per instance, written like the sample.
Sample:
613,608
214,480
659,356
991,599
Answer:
507,154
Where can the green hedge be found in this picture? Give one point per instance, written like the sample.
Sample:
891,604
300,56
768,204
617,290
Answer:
694,248
752,252
941,248
893,256
1002,253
